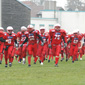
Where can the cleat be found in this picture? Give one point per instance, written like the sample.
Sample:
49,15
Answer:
56,65
0,62
41,63
10,64
19,62
61,60
34,62
66,59
76,59
45,58
29,65
23,62
5,65
72,61
48,61
71,57
80,58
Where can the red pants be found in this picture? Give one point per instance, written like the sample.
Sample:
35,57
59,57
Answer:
8,54
56,50
73,51
21,52
42,50
1,47
32,50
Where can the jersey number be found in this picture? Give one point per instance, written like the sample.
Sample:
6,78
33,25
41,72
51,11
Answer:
9,41
57,36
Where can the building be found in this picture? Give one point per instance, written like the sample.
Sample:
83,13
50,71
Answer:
69,20
15,13
49,16
0,12
35,9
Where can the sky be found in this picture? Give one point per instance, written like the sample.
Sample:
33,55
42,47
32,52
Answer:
59,2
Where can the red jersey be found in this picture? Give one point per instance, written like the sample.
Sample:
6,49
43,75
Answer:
75,40
11,38
1,35
56,36
84,35
21,36
81,35
32,36
44,37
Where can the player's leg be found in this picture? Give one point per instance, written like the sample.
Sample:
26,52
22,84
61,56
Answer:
58,48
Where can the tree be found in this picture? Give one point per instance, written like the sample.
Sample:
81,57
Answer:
38,2
75,5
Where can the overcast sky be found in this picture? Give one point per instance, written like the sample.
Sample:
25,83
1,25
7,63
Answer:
59,2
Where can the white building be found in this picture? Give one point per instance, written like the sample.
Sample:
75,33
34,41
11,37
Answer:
69,20
0,12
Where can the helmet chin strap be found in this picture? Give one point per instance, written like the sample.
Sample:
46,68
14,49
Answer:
57,30
10,34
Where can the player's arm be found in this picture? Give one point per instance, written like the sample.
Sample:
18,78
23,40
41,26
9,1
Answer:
81,41
16,43
26,40
40,37
3,40
64,39
49,39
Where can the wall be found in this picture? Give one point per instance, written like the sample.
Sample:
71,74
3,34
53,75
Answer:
39,22
69,20
15,14
0,12
48,14
73,20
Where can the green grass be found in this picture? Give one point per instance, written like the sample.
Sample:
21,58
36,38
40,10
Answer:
67,73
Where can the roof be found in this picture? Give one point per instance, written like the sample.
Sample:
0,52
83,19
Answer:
60,8
34,8
23,4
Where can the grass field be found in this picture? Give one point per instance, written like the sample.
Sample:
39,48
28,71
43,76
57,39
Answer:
67,73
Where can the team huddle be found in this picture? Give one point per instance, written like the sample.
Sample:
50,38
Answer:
40,44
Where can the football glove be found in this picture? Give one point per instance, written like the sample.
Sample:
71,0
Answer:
49,45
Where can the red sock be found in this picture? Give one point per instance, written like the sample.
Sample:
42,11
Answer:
77,55
52,57
10,59
81,55
40,58
35,59
74,57
6,60
29,59
16,57
19,58
49,57
68,56
46,56
1,57
56,60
